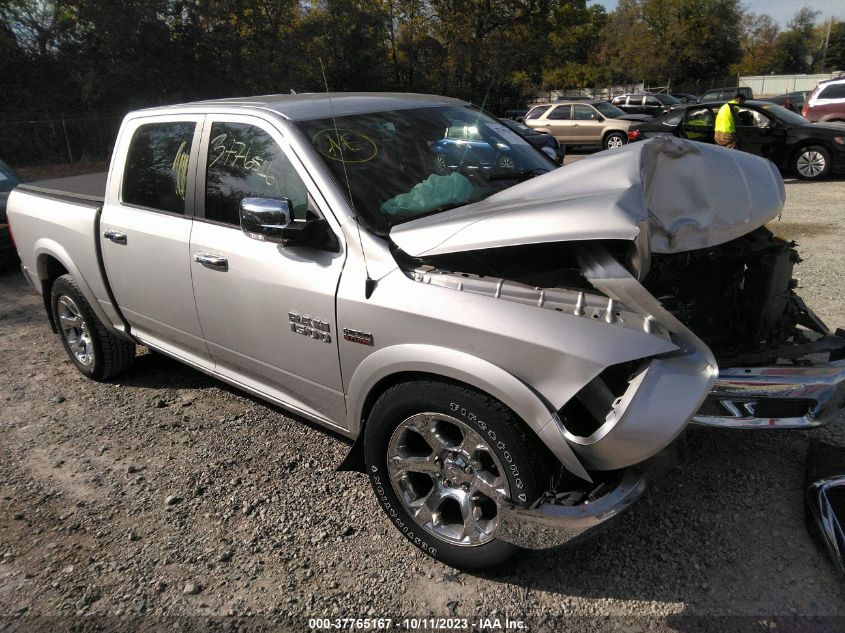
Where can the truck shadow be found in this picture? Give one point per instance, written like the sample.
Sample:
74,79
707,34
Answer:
155,371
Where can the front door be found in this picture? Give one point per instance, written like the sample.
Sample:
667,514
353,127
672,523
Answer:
145,234
759,134
586,128
267,310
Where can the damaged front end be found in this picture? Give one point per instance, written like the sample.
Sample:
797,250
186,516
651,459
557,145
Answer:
713,281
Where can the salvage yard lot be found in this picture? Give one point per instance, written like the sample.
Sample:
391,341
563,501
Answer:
168,493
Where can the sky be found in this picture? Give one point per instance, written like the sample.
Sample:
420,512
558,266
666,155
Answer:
781,10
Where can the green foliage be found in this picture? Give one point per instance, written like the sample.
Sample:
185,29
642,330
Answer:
61,58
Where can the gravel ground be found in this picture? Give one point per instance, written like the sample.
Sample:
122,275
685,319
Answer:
166,493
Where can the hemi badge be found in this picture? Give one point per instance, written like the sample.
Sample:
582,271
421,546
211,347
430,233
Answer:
356,336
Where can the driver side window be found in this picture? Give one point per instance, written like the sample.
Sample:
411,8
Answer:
245,162
584,113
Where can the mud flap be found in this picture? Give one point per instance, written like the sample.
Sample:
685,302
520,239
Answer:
354,460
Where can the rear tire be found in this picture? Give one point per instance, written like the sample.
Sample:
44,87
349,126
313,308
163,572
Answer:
811,162
440,457
95,351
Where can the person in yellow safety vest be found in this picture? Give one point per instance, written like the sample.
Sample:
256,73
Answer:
725,130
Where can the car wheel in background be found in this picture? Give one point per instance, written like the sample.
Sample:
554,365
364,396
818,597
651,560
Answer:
441,167
811,162
615,140
505,162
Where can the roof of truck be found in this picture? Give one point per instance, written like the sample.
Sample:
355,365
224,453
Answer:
319,105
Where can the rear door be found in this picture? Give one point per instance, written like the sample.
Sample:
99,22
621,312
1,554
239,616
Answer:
698,124
145,231
267,310
558,121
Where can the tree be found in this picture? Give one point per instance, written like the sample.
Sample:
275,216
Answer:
758,43
798,46
672,40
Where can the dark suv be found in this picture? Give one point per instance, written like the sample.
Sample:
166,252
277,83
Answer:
726,94
827,103
645,103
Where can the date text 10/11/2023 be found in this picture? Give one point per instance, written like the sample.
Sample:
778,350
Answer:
417,624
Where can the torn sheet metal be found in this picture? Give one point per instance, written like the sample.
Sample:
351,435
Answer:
692,195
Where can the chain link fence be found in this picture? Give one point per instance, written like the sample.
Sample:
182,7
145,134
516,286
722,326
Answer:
51,141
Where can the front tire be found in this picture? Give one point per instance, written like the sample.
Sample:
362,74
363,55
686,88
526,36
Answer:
95,351
441,458
615,140
811,162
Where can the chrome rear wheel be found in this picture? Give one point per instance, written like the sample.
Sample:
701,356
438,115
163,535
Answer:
75,330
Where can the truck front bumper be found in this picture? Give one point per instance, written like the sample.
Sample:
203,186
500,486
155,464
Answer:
782,397
550,525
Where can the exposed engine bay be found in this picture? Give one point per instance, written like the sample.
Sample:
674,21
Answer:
738,297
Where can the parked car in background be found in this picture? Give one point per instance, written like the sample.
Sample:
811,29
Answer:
8,181
685,97
645,103
546,143
810,150
827,102
790,100
583,123
725,94
464,144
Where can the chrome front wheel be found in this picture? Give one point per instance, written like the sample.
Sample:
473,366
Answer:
447,478
75,330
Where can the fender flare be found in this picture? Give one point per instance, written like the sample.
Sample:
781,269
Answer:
47,247
471,370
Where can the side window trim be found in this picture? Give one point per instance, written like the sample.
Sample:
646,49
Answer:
190,185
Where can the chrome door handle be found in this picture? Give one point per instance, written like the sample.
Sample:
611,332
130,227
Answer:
210,260
115,236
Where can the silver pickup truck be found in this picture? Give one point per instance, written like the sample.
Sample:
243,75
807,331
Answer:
512,346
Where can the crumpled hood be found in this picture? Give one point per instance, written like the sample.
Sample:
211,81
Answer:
690,195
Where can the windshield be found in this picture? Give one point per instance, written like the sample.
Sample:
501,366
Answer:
407,163
784,115
608,109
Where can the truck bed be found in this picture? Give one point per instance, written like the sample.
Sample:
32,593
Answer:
88,188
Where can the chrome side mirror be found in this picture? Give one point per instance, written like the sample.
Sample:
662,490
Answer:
265,219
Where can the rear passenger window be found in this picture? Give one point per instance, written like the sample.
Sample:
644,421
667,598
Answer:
245,162
156,169
560,113
536,112
833,91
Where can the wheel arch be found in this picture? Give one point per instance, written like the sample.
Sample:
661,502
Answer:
400,363
51,262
